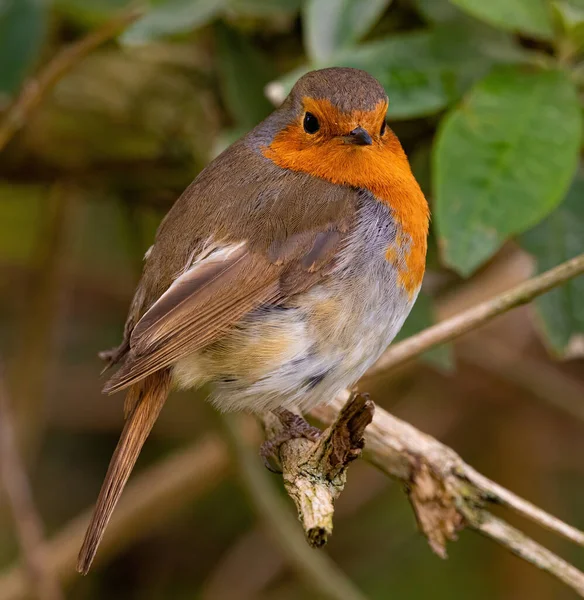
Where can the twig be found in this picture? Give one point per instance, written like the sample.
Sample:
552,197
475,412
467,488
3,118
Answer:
35,90
530,551
151,498
478,315
448,495
315,473
497,493
315,568
27,521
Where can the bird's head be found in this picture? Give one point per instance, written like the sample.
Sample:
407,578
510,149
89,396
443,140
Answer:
336,107
333,125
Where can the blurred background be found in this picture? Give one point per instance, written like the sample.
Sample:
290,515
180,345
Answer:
486,99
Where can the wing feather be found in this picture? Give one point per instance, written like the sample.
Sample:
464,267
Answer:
197,308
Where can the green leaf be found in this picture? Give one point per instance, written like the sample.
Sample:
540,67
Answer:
438,11
569,15
571,12
422,72
264,7
494,41
244,73
89,13
422,317
531,17
503,160
555,240
330,25
416,72
172,17
22,31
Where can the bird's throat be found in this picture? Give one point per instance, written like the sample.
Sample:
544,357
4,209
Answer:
384,170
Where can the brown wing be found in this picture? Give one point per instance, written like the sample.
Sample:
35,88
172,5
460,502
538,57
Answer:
195,310
280,237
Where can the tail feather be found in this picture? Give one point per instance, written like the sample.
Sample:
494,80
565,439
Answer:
145,400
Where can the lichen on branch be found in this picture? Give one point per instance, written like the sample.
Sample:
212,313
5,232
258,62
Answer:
315,473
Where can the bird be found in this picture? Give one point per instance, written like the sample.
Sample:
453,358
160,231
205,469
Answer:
281,273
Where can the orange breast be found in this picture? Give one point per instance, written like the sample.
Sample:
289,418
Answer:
382,168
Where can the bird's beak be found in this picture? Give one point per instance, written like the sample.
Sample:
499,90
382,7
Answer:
359,137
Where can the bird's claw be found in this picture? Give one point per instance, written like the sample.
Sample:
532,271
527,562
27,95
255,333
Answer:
294,427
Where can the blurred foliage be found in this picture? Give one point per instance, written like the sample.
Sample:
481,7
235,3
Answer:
554,240
22,28
485,95
530,17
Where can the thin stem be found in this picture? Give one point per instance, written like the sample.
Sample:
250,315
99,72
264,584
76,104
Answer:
36,89
526,509
26,518
530,551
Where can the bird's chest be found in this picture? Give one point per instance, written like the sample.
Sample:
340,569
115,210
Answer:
358,311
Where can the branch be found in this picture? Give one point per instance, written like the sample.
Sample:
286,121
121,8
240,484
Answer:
35,90
317,569
150,498
315,473
478,315
448,495
26,518
530,551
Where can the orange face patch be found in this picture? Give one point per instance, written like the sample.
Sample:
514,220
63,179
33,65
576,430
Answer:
381,168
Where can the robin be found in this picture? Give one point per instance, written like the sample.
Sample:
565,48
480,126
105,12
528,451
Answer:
281,273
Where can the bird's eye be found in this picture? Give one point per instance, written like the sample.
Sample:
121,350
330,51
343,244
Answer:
311,124
383,126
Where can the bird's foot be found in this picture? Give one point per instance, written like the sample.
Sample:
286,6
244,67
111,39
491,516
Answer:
294,427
